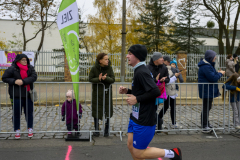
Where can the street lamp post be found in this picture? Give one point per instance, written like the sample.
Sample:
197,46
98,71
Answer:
123,41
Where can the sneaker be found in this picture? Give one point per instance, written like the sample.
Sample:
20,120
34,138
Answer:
176,126
17,135
30,134
177,154
237,127
209,125
207,130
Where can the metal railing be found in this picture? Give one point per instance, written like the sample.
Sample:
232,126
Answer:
47,110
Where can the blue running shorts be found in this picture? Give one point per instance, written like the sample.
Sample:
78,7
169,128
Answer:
142,135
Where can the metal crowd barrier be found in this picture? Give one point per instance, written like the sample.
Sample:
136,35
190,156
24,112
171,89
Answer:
47,118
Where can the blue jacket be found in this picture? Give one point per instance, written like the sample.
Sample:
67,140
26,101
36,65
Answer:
208,74
230,87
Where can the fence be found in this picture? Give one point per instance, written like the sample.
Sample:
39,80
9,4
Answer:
50,65
47,121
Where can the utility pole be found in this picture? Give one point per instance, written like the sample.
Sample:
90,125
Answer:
123,41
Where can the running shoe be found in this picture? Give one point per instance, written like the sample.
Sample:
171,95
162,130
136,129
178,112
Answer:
177,154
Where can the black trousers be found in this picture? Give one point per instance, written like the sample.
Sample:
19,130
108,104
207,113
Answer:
70,127
172,103
207,106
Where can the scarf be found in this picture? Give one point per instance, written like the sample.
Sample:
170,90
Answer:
23,73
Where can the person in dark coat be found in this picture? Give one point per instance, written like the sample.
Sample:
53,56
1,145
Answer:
236,62
157,68
69,108
208,74
20,78
159,72
102,73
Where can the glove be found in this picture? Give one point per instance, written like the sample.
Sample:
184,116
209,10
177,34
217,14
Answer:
63,118
237,89
80,115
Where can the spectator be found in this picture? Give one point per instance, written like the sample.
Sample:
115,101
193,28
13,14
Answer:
159,72
230,66
69,108
173,64
171,92
20,78
235,57
208,74
232,84
102,72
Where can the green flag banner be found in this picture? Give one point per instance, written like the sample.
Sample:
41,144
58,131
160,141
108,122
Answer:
68,25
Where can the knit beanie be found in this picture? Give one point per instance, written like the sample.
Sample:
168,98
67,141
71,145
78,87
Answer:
167,58
70,93
174,61
209,55
139,51
234,55
156,56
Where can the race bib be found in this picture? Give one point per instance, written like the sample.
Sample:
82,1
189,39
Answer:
135,110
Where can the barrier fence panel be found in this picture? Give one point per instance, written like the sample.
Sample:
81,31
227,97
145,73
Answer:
187,114
50,65
47,110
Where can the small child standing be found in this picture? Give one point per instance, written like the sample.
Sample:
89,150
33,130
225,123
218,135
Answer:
232,84
69,108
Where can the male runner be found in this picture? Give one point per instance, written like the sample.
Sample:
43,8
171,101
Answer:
142,97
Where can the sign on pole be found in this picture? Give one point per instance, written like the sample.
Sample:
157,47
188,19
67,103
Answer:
68,25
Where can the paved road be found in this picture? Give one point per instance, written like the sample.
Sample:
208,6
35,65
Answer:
194,147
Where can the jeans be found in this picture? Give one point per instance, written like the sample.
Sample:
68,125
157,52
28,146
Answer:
27,105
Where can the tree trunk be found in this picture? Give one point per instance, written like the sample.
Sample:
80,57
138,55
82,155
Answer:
24,37
220,42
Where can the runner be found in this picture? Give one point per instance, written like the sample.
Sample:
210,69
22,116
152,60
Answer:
142,97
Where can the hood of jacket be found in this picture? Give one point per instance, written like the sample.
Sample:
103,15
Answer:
205,62
19,57
97,65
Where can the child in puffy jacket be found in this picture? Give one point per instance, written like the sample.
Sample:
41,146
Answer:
69,108
232,84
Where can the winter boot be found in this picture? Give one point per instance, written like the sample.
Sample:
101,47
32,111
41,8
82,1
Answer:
96,126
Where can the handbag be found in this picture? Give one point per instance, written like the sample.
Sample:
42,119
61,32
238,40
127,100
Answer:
33,95
161,87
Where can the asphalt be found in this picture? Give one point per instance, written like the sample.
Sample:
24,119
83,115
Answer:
194,147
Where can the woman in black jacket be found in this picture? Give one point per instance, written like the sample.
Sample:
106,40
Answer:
20,77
